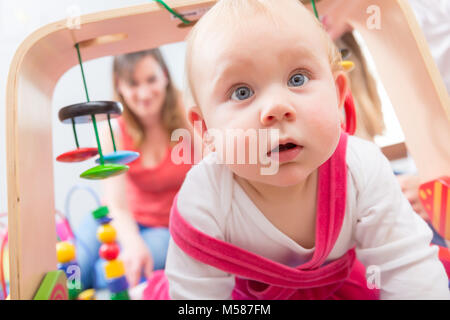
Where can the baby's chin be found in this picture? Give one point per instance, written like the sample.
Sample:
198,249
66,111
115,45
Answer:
286,175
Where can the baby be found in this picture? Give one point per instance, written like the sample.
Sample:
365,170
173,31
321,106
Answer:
330,212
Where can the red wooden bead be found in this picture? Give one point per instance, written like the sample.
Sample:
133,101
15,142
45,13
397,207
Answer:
109,251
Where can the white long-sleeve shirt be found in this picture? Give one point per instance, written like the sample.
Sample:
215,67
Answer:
378,220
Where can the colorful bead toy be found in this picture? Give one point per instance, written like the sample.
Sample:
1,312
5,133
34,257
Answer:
65,254
114,269
117,285
88,294
109,251
106,233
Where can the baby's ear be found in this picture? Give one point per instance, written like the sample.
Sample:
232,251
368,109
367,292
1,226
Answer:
342,87
195,118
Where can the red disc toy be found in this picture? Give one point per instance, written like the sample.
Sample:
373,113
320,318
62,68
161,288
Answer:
77,155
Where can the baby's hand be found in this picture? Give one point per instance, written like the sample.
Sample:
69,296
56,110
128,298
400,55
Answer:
410,188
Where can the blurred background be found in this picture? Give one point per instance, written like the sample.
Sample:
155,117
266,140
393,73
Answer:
20,18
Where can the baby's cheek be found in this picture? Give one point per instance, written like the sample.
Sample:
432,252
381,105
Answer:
324,121
323,132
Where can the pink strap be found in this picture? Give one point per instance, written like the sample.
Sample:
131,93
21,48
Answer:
232,259
331,201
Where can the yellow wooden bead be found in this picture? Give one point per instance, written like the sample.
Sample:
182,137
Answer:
347,65
65,251
114,269
106,233
88,294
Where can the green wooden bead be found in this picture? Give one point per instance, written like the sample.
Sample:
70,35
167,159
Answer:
122,295
73,293
100,212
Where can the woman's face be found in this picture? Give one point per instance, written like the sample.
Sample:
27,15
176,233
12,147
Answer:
145,91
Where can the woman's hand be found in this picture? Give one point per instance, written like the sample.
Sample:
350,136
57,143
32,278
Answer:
410,187
137,259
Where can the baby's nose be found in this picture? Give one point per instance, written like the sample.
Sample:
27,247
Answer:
277,112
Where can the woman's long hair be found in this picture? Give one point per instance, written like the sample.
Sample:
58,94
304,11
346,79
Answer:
172,112
367,102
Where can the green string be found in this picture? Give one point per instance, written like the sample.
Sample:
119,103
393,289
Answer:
102,161
185,21
111,130
82,71
75,133
80,61
313,2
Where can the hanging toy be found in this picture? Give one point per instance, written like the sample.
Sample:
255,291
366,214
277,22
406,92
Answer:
119,157
92,111
79,154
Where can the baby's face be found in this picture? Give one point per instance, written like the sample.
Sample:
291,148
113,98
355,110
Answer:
269,77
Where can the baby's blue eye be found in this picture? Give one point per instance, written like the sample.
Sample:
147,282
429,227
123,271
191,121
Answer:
242,93
298,80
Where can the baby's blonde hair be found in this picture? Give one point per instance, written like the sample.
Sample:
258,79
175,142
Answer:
224,13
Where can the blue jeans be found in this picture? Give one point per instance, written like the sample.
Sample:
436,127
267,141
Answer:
87,246
437,239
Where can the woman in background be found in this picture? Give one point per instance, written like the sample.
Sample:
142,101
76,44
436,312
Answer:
140,200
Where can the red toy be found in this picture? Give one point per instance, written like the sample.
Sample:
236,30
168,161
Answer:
435,198
77,155
109,251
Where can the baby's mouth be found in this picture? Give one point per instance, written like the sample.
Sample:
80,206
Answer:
283,147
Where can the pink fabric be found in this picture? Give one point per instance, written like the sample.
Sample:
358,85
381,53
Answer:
157,287
150,191
444,256
64,231
261,278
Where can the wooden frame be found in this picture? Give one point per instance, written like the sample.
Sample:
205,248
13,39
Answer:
415,88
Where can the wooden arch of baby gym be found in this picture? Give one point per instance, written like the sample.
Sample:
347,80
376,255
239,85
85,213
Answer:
399,49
